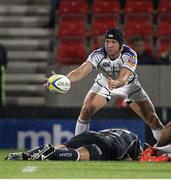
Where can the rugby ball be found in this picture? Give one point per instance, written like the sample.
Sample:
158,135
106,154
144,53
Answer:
58,84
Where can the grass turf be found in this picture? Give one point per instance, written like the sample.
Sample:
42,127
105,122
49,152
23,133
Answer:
82,170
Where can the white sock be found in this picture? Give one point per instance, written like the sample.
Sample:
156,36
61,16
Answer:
81,126
165,149
157,133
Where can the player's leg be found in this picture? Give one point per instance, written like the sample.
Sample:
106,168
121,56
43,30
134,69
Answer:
146,111
31,154
17,156
143,106
89,152
92,103
49,152
165,137
84,153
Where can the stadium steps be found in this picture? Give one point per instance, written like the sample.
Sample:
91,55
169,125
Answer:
23,2
28,55
26,67
21,32
25,34
25,10
25,78
27,21
39,100
25,90
26,44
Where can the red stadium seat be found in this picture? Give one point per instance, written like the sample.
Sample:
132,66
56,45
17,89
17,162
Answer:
135,27
164,25
142,6
134,17
101,24
72,26
106,6
166,17
164,29
71,51
73,6
164,6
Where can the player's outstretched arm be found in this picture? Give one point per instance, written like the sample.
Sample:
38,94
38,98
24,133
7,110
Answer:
80,72
121,80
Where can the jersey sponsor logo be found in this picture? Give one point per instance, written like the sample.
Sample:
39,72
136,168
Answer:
65,154
106,64
132,61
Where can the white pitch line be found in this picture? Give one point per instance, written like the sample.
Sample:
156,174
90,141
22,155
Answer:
29,169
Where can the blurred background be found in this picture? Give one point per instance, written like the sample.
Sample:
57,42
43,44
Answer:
38,36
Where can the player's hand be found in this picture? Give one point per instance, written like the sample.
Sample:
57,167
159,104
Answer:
112,84
46,79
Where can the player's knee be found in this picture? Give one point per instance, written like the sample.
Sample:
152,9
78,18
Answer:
95,152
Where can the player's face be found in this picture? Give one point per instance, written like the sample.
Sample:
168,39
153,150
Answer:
111,47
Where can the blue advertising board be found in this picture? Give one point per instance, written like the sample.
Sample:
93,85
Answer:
28,133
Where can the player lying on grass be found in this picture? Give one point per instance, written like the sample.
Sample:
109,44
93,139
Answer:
109,144
162,150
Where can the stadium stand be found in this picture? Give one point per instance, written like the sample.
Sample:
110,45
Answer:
101,24
72,26
138,18
73,7
71,31
147,18
137,27
71,51
142,6
164,6
164,26
105,6
23,32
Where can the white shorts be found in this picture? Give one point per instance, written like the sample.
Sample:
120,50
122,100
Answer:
130,92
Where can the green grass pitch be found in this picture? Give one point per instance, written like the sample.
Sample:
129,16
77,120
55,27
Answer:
81,170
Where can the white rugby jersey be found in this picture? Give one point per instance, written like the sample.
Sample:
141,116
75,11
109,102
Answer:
110,68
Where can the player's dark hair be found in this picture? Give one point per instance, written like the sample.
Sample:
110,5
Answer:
116,34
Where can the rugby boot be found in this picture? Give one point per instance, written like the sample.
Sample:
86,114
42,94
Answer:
19,156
